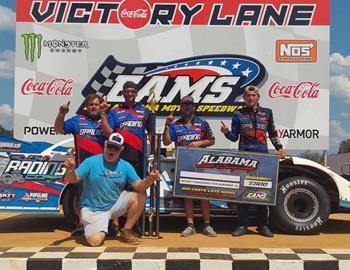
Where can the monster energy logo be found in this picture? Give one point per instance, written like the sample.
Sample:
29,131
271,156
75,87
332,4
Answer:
32,42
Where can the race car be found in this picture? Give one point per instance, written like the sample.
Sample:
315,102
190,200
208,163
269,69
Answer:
307,192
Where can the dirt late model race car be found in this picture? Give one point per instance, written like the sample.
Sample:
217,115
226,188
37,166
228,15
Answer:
32,181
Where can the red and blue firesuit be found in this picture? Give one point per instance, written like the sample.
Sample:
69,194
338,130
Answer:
183,135
88,136
131,123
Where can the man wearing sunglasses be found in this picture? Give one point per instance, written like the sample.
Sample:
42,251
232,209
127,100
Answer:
103,197
190,131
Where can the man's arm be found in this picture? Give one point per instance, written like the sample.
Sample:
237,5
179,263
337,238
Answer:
209,139
166,133
271,130
59,122
209,136
166,136
106,128
72,177
232,135
69,164
143,185
202,143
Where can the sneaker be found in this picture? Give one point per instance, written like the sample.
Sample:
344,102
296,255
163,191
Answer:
188,231
79,230
126,236
209,231
239,231
113,230
264,231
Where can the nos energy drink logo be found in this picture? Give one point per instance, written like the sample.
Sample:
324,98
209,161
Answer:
215,82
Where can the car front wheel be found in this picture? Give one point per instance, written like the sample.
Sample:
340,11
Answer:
302,206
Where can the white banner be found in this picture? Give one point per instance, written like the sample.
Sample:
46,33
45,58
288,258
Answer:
65,50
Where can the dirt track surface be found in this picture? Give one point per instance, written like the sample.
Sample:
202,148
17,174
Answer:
18,230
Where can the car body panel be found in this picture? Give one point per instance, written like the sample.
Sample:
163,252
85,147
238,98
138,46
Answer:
31,176
342,184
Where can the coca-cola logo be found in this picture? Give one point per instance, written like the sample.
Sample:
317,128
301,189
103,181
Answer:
304,89
55,87
139,13
134,14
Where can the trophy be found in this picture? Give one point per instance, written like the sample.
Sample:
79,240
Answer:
153,160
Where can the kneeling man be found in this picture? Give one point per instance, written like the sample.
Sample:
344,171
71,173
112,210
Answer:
103,197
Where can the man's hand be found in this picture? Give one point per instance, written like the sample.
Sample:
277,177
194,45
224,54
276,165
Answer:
69,164
154,175
195,144
104,105
143,185
64,108
169,119
224,129
282,153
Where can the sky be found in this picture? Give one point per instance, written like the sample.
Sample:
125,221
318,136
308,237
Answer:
339,60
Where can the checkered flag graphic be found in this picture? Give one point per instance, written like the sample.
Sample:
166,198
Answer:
104,79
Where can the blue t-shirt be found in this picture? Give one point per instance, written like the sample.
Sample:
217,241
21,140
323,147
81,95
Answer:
103,182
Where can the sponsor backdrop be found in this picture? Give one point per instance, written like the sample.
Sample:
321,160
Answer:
226,176
68,49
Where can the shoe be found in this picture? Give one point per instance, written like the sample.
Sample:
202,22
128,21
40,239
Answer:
79,230
188,231
126,236
209,231
239,231
264,231
113,230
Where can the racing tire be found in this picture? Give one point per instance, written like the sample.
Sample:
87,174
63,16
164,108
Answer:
302,206
70,202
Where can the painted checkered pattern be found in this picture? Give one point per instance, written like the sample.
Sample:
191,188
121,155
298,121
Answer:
105,77
146,258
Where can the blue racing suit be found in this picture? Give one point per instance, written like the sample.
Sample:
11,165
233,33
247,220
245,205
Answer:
252,127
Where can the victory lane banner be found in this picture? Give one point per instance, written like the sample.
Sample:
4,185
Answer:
210,50
242,177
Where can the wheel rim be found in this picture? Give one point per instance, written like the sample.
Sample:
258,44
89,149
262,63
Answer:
301,205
